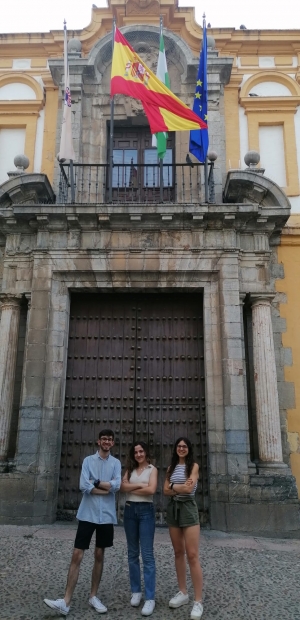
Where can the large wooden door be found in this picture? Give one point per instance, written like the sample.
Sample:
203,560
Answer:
136,365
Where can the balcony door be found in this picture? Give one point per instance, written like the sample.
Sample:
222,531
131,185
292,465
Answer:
136,172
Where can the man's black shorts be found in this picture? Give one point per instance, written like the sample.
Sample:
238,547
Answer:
85,531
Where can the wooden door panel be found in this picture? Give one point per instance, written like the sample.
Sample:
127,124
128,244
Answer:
136,365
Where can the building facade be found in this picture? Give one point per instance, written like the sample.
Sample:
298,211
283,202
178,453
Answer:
141,306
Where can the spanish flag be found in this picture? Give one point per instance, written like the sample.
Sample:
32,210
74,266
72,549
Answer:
130,76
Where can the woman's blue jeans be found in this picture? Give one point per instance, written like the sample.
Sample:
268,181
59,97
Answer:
139,525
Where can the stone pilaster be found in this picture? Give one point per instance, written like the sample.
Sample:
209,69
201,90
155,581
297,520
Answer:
9,331
265,377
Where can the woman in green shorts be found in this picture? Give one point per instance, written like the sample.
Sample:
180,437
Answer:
183,522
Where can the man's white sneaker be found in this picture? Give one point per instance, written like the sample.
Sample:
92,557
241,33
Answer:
148,608
136,599
98,606
197,611
178,600
59,605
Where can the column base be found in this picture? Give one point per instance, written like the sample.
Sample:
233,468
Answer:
273,468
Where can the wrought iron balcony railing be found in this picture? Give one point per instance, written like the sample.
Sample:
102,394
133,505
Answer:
137,184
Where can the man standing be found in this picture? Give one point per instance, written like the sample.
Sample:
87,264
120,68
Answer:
99,481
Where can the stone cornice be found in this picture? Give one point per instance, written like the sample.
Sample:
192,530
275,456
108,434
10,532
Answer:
270,104
180,20
238,218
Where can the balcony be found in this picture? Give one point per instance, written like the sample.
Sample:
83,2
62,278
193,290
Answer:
136,184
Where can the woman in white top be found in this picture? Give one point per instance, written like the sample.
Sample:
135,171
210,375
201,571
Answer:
183,521
139,483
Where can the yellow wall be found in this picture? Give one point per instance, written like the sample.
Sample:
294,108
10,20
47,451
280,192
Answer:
289,256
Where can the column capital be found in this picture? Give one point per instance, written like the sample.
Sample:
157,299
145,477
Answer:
28,297
10,300
261,299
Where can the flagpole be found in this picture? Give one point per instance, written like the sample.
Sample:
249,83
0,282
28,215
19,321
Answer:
161,170
71,160
111,134
206,159
66,149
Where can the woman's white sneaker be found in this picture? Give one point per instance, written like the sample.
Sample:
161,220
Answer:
98,606
136,599
148,608
178,600
197,611
59,605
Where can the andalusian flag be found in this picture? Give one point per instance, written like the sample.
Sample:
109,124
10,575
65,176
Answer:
130,76
160,139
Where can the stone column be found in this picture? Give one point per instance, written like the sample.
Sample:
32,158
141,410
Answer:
9,332
265,379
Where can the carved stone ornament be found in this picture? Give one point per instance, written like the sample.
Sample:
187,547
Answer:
149,7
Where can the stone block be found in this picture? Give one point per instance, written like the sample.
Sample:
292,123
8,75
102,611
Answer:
37,336
261,520
239,492
35,368
28,442
29,424
54,369
48,462
38,319
222,492
32,394
236,417
237,464
231,330
50,440
53,392
278,324
217,441
56,354
237,442
231,314
41,284
217,463
57,338
16,488
255,494
58,321
40,299
287,356
234,391
215,417
36,352
286,393
30,412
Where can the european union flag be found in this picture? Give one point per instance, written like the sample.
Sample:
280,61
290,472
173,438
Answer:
199,137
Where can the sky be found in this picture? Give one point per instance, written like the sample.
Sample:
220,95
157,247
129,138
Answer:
42,16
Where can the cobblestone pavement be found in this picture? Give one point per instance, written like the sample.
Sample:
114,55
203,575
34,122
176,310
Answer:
245,577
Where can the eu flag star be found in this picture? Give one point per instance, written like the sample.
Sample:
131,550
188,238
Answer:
199,83
205,117
197,95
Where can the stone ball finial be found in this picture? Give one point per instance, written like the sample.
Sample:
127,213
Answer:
251,159
212,155
210,42
21,162
74,46
61,160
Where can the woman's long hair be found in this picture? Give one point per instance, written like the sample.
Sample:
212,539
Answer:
131,462
189,459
